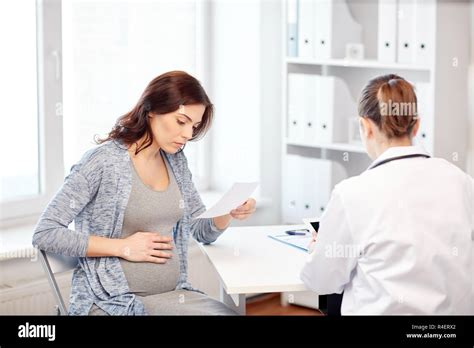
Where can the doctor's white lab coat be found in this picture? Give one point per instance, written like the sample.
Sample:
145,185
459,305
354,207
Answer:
398,239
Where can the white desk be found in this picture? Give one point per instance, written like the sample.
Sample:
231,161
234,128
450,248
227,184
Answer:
248,261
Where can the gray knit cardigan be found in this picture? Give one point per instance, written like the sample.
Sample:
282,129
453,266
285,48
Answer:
94,195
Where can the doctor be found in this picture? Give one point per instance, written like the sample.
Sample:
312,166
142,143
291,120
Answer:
396,239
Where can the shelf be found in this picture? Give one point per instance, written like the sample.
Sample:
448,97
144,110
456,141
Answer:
330,146
367,64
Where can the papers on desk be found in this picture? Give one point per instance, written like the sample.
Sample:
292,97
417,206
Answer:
237,195
297,241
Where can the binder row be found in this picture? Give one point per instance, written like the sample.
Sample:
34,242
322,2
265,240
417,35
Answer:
320,28
320,109
407,31
307,186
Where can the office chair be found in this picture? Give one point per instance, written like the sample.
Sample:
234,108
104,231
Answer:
52,264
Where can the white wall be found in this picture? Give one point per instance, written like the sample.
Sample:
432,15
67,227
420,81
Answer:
246,69
235,92
245,87
270,90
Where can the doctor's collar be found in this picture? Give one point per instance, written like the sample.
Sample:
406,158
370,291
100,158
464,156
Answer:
399,152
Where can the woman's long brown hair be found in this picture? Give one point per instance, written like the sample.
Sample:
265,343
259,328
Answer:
164,94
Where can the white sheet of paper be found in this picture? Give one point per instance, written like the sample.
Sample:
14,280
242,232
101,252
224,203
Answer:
237,195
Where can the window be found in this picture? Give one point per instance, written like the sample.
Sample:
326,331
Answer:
19,176
31,105
112,50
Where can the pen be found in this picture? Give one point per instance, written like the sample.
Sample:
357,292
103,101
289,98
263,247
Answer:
294,233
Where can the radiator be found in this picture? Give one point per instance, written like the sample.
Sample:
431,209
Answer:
33,298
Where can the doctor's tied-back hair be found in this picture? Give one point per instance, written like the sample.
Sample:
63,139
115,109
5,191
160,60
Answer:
164,94
390,102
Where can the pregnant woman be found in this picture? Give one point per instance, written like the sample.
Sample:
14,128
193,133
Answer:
133,201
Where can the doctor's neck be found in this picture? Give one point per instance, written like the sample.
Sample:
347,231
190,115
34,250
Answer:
384,144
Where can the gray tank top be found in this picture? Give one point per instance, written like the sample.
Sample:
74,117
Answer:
152,211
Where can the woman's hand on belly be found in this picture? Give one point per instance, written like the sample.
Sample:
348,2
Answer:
146,247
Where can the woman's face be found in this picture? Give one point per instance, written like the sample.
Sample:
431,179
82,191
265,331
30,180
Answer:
171,131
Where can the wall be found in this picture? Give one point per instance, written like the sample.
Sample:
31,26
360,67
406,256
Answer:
235,92
246,79
271,113
245,86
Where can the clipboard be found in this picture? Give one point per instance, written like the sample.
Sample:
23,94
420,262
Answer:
296,241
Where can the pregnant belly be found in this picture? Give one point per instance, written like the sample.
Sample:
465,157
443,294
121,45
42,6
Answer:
147,278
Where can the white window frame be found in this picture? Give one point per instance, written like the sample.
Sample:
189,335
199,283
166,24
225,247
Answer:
50,148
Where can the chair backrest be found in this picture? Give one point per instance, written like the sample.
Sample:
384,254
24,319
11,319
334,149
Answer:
52,264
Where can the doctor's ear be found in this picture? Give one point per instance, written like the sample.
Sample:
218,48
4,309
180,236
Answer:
416,127
365,127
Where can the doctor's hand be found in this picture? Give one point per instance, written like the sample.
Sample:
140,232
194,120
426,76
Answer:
312,243
146,247
243,211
